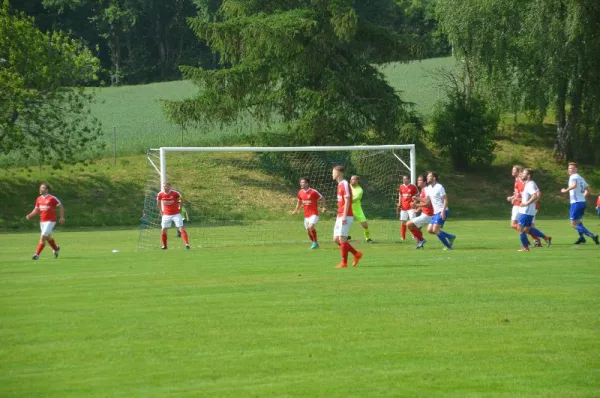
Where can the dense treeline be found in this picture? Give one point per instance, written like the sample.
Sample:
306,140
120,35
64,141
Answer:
142,41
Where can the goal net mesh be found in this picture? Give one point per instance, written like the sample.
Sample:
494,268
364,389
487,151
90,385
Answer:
246,198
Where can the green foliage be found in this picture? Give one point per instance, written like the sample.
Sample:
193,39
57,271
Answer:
534,56
43,113
306,64
464,129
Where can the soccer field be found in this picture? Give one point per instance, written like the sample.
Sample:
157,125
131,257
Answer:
279,320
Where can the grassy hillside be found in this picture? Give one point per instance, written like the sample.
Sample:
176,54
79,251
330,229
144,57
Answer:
103,194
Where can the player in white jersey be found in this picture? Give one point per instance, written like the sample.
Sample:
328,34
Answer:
529,197
436,196
578,189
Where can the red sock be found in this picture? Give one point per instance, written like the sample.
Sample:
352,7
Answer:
344,251
310,235
314,235
39,249
351,249
535,237
164,239
183,235
403,231
417,233
52,243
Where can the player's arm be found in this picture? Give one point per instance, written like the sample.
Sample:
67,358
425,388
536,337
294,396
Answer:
445,198
158,204
35,211
297,207
347,197
534,198
61,212
571,187
324,204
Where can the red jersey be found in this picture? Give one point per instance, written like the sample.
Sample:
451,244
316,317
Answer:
427,210
598,202
406,193
169,202
519,186
47,205
344,194
310,200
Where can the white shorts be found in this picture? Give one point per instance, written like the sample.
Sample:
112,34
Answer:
406,215
342,229
167,221
46,227
421,220
311,220
515,213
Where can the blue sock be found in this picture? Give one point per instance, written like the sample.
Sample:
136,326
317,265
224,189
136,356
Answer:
442,237
537,233
524,240
583,230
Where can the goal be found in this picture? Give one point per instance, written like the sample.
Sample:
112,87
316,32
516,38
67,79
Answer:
245,195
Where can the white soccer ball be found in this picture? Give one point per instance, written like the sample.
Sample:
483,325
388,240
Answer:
115,251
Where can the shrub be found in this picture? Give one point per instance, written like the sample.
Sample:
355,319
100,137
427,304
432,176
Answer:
464,127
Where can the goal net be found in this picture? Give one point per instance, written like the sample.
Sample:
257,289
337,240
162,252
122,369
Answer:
245,196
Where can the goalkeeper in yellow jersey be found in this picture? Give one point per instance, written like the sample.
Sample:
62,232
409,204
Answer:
359,215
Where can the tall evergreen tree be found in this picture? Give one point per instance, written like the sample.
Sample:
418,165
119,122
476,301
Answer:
306,63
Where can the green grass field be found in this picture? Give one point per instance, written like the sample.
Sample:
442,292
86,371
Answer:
278,320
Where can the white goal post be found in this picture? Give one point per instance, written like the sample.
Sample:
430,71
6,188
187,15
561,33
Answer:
245,195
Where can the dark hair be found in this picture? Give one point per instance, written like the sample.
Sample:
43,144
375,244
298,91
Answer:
434,174
528,171
47,186
305,180
339,168
423,176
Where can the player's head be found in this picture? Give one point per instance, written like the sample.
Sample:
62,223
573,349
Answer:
354,180
44,188
527,174
304,183
517,169
572,168
421,180
338,172
167,187
405,180
432,177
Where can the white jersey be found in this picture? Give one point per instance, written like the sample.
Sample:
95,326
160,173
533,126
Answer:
436,194
530,189
576,195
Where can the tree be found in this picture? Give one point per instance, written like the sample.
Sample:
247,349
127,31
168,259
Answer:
533,56
307,64
139,40
43,112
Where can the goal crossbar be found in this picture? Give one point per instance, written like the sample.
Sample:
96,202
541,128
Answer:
164,150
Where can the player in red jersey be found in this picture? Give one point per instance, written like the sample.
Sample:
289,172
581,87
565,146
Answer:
598,206
169,202
406,192
309,198
420,204
344,219
45,206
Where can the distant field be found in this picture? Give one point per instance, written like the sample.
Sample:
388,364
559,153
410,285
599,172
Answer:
137,114
278,320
